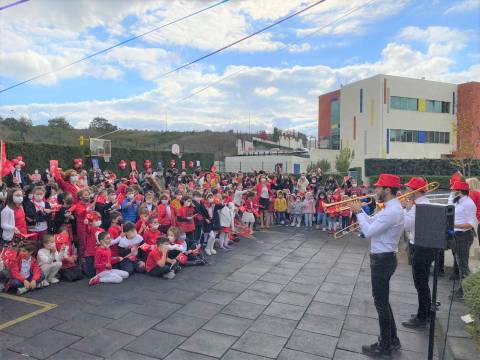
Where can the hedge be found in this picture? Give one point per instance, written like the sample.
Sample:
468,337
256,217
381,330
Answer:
471,288
421,167
38,156
444,181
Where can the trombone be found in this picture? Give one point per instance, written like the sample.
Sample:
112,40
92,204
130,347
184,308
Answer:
346,204
355,226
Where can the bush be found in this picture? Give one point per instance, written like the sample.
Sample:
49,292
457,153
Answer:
444,181
471,289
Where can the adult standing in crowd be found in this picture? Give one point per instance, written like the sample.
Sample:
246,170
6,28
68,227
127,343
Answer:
474,194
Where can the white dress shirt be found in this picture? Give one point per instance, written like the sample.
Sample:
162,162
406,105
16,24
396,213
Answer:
466,213
409,216
384,229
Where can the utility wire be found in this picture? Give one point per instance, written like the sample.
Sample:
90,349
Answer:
12,4
113,46
209,85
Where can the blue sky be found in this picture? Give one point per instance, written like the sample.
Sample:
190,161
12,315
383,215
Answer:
274,78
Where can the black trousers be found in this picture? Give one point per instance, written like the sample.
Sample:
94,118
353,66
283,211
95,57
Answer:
159,271
382,267
421,262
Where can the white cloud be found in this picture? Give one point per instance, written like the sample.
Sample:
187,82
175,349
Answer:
463,6
299,48
269,91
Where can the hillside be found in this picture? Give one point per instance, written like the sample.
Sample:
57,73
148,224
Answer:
219,143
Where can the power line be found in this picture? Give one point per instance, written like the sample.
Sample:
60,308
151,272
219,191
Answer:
113,46
242,39
12,4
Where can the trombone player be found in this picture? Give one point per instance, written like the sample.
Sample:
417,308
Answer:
421,257
383,230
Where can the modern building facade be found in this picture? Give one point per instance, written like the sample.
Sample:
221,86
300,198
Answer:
392,117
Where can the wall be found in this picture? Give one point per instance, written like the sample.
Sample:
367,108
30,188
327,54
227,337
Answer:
324,112
468,106
266,163
320,154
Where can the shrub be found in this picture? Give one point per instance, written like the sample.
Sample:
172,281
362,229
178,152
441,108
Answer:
471,289
444,181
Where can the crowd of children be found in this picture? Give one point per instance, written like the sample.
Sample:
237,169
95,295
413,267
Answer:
74,224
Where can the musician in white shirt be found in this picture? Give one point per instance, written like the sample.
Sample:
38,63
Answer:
422,257
465,224
383,230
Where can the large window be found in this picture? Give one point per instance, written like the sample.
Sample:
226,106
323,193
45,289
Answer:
335,123
419,136
412,104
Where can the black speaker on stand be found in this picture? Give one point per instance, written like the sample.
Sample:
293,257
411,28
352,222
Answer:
434,225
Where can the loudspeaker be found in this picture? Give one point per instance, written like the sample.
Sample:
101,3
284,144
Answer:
433,225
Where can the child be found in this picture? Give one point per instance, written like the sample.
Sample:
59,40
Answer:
25,273
297,209
103,263
290,209
248,218
93,221
151,235
226,226
50,260
185,216
115,230
345,214
41,215
208,226
176,202
166,214
271,210
141,224
129,244
308,209
70,271
280,207
129,206
321,215
158,264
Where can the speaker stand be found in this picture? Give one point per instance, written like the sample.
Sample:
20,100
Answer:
433,306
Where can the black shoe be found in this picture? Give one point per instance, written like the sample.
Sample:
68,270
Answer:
396,346
375,350
414,323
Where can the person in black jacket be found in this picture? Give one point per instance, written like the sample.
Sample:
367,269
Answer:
201,216
18,177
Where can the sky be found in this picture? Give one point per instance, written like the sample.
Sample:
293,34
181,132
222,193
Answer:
270,80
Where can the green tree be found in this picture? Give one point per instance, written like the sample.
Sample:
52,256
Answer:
323,165
344,159
59,122
100,123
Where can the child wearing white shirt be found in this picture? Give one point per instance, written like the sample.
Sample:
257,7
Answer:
50,260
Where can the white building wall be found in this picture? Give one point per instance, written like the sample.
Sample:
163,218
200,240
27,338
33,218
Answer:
266,163
320,154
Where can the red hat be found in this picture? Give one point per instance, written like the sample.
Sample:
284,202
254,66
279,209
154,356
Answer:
388,180
416,183
457,176
460,185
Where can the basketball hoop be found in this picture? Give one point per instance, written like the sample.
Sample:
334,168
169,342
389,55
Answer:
101,148
107,159
175,149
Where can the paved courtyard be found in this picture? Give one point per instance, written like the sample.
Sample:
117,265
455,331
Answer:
288,294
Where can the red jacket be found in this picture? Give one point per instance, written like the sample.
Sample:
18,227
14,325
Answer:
35,270
150,237
91,243
104,259
258,189
115,231
163,218
139,224
66,186
183,223
64,239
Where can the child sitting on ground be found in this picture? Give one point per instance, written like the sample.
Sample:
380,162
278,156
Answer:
25,273
50,260
129,244
70,270
104,261
158,263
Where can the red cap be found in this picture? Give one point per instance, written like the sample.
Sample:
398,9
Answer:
388,180
416,183
460,185
457,176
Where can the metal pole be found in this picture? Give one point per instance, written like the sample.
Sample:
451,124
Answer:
433,307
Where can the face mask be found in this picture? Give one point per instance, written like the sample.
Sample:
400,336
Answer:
97,223
171,239
164,202
18,199
38,198
179,197
74,178
210,201
154,227
51,246
183,237
130,196
53,197
30,196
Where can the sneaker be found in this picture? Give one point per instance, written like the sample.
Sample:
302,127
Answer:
292,224
208,252
414,323
43,284
282,222
298,225
22,290
94,281
317,227
53,280
169,275
214,252
375,350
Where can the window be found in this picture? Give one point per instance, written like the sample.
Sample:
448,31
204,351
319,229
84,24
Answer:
440,107
403,103
419,136
445,107
335,124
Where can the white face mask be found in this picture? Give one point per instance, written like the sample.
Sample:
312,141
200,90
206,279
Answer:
154,227
164,202
171,239
97,223
74,178
38,198
130,196
188,203
18,199
30,196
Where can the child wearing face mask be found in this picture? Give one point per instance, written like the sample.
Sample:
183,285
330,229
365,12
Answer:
80,211
50,260
308,209
142,223
42,215
25,273
297,209
166,214
208,226
226,226
68,182
280,208
70,270
185,217
151,234
176,202
93,221
130,206
13,220
321,215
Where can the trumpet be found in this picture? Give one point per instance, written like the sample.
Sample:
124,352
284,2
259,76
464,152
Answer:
426,189
346,230
346,204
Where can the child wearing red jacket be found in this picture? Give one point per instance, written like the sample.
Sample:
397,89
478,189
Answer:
166,214
104,261
70,271
115,230
141,224
185,217
93,221
25,273
158,263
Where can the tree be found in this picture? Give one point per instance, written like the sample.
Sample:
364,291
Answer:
344,159
468,141
59,122
323,165
100,123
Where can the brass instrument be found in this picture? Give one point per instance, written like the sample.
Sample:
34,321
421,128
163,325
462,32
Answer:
353,227
345,204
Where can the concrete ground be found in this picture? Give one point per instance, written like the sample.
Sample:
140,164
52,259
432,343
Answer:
288,294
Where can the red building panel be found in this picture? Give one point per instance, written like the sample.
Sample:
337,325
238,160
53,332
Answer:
468,108
324,112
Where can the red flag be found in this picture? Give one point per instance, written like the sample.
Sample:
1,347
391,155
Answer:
53,167
6,166
183,164
133,165
172,163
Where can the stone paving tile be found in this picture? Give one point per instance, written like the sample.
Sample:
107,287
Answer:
231,286
229,325
243,309
321,325
8,339
333,298
103,343
276,278
83,324
288,354
114,310
316,344
336,288
128,355
348,355
186,355
70,354
330,310
308,289
243,277
43,345
238,355
267,287
133,324
274,326
69,309
286,311
10,355
201,309
260,344
217,297
293,298
361,324
353,341
181,324
256,297
208,343
33,326
155,344
158,309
